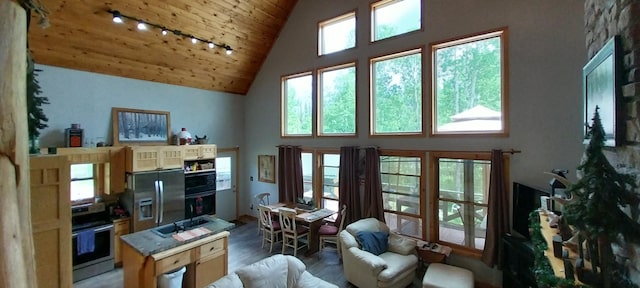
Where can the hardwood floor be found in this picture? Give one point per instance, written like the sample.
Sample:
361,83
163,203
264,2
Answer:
244,249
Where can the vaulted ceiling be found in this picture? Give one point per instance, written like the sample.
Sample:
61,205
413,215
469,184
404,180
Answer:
82,36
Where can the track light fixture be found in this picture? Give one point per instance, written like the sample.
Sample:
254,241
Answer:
143,25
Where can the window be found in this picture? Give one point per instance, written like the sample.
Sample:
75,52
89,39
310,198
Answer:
394,17
307,175
337,34
461,191
337,93
297,106
401,185
330,167
82,183
469,87
396,104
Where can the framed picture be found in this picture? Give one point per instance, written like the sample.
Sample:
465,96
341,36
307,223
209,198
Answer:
602,88
267,168
140,127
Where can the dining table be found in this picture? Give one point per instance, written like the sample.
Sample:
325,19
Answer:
312,218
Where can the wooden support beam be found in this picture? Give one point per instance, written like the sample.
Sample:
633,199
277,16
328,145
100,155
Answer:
17,266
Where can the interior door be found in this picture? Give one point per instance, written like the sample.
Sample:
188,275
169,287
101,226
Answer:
226,196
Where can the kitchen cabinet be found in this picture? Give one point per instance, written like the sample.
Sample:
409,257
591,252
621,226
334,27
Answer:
149,158
196,152
109,166
51,220
121,227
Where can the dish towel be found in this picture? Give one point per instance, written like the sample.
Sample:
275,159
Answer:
86,241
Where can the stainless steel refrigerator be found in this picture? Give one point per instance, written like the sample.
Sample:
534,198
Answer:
154,198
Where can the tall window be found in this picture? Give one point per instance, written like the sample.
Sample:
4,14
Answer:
469,85
396,94
401,185
82,183
337,93
330,167
297,105
461,183
394,17
337,34
307,175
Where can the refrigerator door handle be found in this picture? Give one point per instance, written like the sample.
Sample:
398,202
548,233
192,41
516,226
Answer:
161,200
157,184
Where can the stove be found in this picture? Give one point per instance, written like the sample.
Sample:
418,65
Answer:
92,241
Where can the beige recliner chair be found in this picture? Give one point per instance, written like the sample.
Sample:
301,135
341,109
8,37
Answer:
394,268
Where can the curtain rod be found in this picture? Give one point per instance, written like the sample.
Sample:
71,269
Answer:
508,151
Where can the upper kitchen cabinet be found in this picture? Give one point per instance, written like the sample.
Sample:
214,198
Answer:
196,152
149,158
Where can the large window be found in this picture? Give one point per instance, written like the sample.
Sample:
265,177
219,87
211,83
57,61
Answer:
82,183
396,94
401,177
307,175
394,17
330,167
337,93
461,184
469,85
297,105
337,34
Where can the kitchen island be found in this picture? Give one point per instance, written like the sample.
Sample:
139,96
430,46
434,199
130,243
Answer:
147,256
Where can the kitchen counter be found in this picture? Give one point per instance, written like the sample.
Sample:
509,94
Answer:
147,242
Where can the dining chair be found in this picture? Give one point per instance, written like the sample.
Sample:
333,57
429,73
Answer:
329,232
261,199
271,228
292,233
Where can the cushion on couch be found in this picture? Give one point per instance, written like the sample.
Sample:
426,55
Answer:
261,273
368,224
401,245
374,242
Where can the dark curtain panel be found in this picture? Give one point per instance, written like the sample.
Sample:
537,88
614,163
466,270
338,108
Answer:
373,186
349,184
498,214
289,174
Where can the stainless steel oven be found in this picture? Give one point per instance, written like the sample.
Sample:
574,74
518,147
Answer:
199,193
99,258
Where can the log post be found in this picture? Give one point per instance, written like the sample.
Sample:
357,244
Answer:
17,267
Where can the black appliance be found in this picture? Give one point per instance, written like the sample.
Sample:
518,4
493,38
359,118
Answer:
199,193
525,200
94,218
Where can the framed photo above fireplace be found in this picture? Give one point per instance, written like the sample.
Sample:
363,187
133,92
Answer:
601,86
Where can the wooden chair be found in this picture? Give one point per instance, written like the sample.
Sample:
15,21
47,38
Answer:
271,229
329,232
292,233
261,199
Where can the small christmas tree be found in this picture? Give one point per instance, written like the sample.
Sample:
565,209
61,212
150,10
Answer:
597,214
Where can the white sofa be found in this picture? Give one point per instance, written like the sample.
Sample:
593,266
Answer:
394,268
277,271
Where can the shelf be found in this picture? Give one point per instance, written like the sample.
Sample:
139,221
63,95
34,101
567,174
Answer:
200,171
557,263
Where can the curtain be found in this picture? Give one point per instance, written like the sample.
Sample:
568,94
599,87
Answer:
290,185
498,214
373,185
349,184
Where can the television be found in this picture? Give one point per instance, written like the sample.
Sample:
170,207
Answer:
525,200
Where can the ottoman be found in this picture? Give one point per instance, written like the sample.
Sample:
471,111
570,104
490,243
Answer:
446,276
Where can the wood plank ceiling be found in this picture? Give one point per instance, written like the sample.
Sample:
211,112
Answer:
82,36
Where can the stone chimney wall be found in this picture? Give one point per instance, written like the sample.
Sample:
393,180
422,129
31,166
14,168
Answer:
603,20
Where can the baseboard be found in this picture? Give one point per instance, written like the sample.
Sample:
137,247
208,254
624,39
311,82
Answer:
247,218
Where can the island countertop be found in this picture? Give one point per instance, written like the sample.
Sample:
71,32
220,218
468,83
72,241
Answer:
147,242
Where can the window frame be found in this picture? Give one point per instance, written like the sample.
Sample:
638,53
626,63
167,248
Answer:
340,18
283,105
372,115
385,3
94,178
319,94
320,183
503,34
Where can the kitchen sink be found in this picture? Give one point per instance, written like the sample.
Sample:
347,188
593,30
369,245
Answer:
180,226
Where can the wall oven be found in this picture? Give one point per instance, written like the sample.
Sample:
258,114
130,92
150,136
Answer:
90,262
199,193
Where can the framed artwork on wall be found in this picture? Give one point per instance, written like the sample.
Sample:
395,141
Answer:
140,127
601,80
267,168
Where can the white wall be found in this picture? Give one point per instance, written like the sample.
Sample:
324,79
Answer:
546,55
87,98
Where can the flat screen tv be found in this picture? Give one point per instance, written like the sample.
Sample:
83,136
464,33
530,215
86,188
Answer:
525,200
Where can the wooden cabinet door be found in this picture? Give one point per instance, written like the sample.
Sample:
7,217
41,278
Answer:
208,151
210,269
191,152
51,220
142,158
121,228
171,157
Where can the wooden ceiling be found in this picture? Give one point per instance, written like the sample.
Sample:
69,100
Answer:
82,36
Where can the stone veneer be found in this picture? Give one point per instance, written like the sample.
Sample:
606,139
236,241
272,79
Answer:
603,20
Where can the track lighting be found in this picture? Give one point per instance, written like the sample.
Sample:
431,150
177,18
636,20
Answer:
144,25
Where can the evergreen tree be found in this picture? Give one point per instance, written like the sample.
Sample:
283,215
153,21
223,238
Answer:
36,118
596,214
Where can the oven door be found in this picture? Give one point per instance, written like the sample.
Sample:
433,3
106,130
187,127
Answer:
199,182
103,248
200,204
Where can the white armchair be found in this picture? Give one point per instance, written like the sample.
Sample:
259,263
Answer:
394,268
